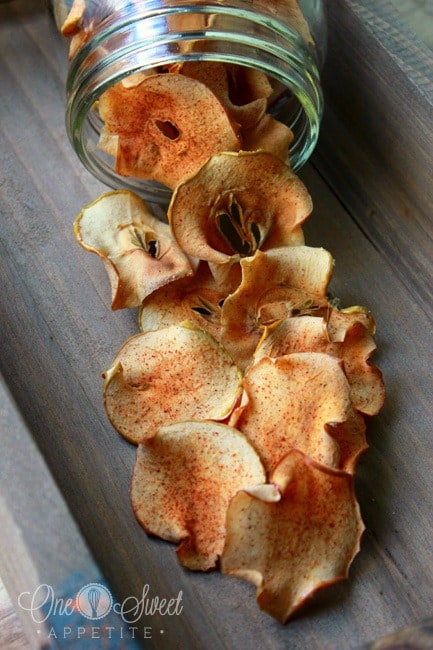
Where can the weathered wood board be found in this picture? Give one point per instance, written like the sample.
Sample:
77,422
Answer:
58,334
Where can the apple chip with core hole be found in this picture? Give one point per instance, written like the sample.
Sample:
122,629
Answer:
198,299
310,334
176,373
167,126
138,250
275,284
293,547
182,484
288,402
237,203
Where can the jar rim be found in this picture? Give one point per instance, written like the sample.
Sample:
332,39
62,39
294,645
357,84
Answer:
278,52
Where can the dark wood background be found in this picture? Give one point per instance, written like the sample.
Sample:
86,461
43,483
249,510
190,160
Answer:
371,182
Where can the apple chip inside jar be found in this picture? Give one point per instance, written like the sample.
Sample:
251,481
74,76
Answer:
74,18
237,203
290,12
302,543
275,284
138,249
176,373
167,126
182,484
287,404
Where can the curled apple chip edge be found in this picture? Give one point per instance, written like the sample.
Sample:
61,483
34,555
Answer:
182,484
312,334
198,299
365,379
274,283
299,544
237,203
242,91
175,373
288,403
73,20
268,134
351,439
138,250
167,126
338,321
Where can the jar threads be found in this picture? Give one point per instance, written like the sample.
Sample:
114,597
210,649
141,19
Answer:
146,36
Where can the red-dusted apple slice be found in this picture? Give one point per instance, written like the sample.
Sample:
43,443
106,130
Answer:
237,203
268,134
198,299
287,404
351,440
302,543
242,91
298,334
168,125
182,484
311,334
338,321
138,250
275,284
366,382
176,373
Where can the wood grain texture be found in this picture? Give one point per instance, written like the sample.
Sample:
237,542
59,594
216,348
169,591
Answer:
376,143
12,635
58,334
418,15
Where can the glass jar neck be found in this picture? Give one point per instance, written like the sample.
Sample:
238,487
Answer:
152,34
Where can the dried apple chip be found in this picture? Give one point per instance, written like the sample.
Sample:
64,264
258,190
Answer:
338,321
241,90
302,543
290,11
138,249
176,373
182,484
74,18
268,134
198,299
298,334
312,334
366,382
237,203
275,284
351,440
288,403
168,125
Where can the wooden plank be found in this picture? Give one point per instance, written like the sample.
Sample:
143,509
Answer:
376,143
59,334
43,558
12,635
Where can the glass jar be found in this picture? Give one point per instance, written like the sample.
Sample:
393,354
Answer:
127,36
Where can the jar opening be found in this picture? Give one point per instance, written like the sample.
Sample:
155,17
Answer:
148,40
